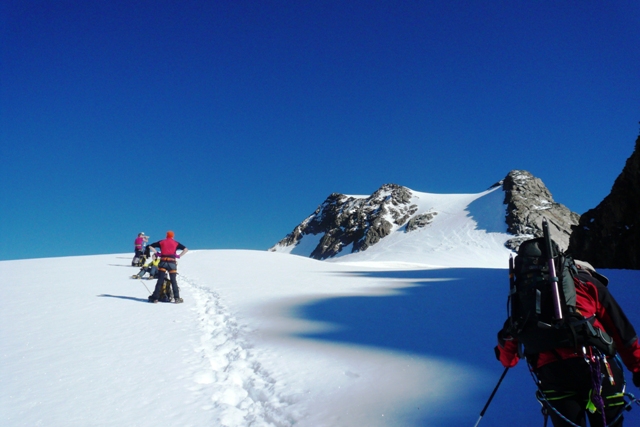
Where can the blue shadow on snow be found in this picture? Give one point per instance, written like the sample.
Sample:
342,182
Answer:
452,314
124,297
422,318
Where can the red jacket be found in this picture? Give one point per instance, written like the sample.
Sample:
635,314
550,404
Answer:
592,298
168,247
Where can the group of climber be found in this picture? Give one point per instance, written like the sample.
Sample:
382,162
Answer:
164,260
563,321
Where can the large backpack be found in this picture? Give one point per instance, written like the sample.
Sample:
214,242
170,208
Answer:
533,317
166,292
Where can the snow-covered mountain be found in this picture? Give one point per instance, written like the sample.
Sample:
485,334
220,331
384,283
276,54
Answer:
398,224
398,335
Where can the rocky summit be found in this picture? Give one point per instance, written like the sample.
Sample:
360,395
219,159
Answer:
354,221
345,224
528,202
608,236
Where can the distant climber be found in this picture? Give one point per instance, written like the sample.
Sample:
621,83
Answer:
138,246
151,268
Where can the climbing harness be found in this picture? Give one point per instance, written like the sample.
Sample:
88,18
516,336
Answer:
596,402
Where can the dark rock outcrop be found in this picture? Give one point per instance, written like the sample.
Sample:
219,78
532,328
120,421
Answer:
529,201
608,236
420,221
357,221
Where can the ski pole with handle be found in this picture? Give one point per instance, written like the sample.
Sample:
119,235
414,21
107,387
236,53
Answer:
493,393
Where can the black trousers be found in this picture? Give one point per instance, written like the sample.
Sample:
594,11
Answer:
163,267
137,254
567,386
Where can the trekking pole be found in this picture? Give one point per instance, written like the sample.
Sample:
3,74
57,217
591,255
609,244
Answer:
491,397
553,278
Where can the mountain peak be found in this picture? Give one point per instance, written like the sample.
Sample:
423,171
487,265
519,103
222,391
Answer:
354,222
427,223
528,202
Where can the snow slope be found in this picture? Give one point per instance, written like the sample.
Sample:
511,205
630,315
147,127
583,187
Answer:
263,339
471,227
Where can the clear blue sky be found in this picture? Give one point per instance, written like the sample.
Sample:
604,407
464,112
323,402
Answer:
231,121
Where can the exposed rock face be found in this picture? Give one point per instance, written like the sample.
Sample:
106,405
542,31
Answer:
420,221
360,222
608,236
529,201
354,224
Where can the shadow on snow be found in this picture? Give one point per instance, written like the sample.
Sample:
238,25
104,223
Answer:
452,314
447,313
145,300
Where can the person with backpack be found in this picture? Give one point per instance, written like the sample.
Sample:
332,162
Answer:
138,247
574,359
168,263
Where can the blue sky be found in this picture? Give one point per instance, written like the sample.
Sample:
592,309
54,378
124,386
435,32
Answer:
230,122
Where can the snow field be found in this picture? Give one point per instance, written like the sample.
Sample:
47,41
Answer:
262,339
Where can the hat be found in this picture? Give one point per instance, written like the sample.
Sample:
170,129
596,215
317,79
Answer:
141,233
584,265
170,234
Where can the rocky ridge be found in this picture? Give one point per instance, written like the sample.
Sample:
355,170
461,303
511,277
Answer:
528,202
608,236
360,222
347,224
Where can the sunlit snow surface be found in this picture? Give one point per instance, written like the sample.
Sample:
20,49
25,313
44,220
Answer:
269,339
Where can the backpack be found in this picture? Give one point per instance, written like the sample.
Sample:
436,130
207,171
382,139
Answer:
139,261
166,292
533,316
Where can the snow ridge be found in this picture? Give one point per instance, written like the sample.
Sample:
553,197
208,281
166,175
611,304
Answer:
244,393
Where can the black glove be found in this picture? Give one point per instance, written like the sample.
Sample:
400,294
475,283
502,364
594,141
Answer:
496,349
505,333
636,379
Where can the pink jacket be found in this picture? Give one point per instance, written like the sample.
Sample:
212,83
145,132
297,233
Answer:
138,243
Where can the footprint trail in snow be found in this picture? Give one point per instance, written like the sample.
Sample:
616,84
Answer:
243,393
